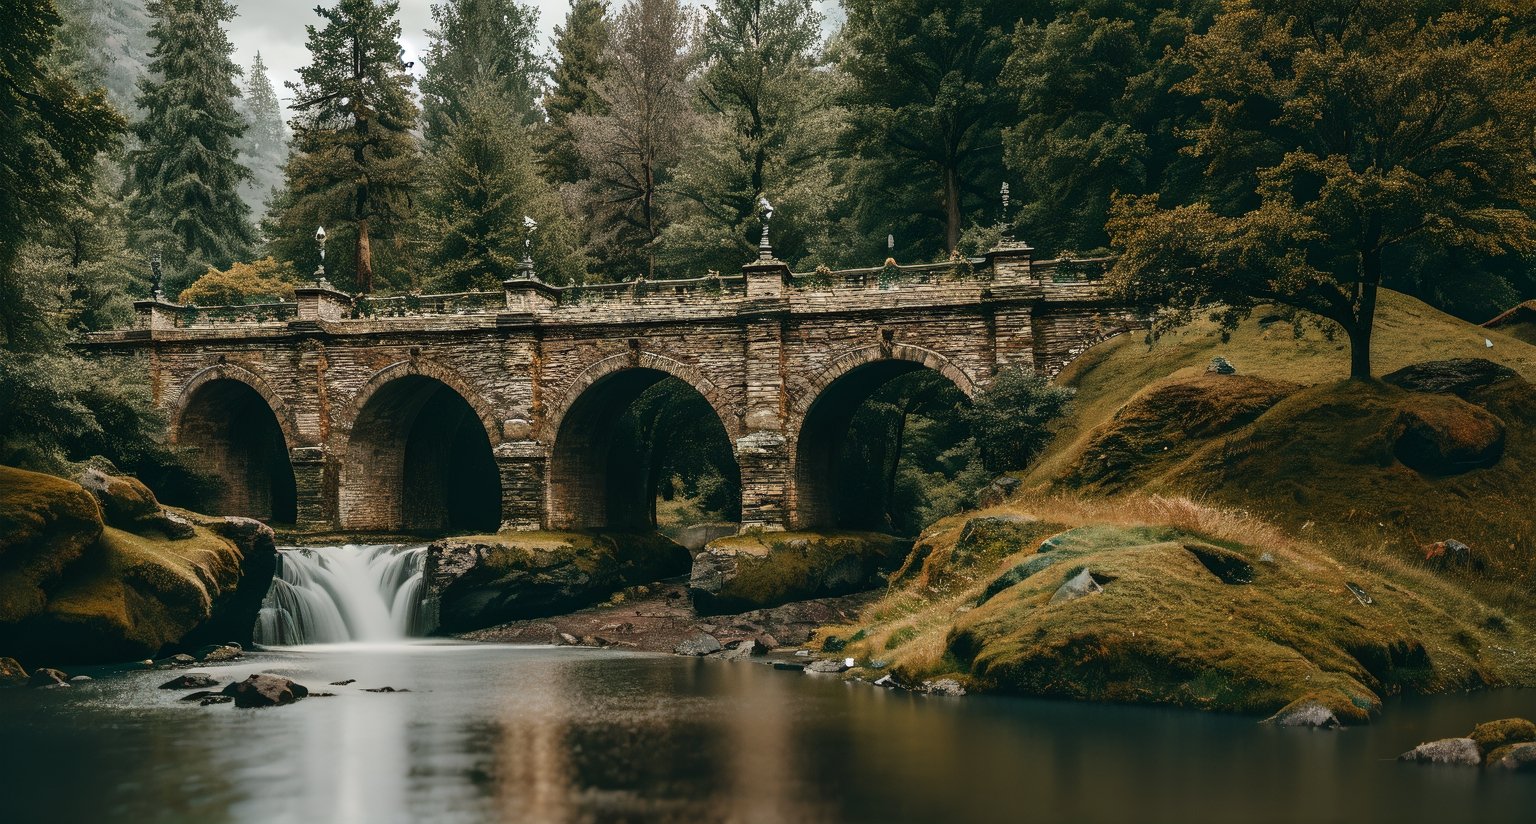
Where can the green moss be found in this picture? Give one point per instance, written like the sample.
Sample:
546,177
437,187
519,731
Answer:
46,523
1493,735
768,569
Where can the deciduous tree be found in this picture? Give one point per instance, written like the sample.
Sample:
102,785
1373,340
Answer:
1340,137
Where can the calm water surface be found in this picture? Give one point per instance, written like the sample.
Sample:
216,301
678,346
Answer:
502,733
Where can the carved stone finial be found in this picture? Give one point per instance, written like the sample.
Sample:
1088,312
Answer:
156,292
765,211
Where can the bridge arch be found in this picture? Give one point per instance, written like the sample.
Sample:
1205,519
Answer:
595,478
415,447
230,424
821,416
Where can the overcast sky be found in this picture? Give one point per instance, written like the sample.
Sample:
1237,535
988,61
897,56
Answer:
276,29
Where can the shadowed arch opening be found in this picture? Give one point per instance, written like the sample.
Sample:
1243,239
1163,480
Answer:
227,429
419,460
884,447
640,449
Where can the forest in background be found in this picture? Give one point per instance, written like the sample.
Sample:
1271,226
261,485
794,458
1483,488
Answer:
639,147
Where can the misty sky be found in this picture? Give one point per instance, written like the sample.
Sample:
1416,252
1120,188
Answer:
276,29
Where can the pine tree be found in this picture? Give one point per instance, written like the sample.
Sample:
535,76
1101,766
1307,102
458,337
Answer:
581,62
482,180
927,107
631,147
481,43
354,162
184,176
764,105
265,145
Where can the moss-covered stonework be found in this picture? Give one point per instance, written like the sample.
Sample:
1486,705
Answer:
480,581
98,592
767,569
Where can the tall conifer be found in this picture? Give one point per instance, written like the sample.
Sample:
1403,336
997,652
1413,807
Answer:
481,46
184,176
265,145
581,62
354,162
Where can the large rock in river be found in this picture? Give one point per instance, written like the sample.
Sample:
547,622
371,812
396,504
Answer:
759,570
265,691
78,591
473,583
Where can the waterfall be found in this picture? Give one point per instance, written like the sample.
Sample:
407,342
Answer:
332,595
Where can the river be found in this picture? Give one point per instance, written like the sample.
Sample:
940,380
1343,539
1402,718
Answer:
510,733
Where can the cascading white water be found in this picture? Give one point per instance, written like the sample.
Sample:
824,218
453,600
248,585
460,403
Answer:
332,595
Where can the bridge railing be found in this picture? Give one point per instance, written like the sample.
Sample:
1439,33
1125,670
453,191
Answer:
891,275
711,287
452,303
253,314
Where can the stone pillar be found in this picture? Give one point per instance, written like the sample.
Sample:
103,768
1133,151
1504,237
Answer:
764,461
529,296
322,302
1012,262
762,451
766,279
521,465
155,313
309,479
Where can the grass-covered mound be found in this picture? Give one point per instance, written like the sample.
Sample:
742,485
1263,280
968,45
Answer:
1365,468
1193,607
125,589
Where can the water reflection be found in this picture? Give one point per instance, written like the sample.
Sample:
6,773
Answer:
537,734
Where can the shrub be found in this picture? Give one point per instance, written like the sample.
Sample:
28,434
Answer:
260,281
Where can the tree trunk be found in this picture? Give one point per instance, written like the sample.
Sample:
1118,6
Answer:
1365,318
364,259
952,208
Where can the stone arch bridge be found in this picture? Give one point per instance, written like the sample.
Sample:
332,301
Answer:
497,410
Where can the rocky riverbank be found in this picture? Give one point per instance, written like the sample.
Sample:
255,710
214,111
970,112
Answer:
95,570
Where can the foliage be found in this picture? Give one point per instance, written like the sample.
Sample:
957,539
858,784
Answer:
926,102
50,134
633,143
1012,416
908,457
1098,114
480,45
1339,138
355,162
260,281
581,62
673,434
184,176
481,181
764,131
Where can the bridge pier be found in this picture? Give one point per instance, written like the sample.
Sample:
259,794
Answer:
521,465
314,511
763,458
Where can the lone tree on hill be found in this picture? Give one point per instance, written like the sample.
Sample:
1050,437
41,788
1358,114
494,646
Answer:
1340,139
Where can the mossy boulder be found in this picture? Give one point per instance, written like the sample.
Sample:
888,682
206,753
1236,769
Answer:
46,523
1445,435
477,582
1493,735
110,594
769,569
1456,376
124,501
1515,758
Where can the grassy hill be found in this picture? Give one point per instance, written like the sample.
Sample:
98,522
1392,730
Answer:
1251,540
